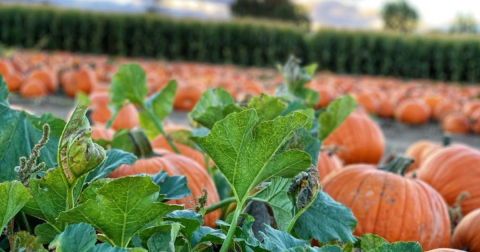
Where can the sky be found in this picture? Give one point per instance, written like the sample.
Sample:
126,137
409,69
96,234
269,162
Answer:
433,13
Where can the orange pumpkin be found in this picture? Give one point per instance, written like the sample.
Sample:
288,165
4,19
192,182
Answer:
100,132
327,162
475,121
452,171
467,233
186,97
85,80
152,162
444,108
432,100
14,82
358,139
6,67
386,109
456,123
46,77
445,250
33,88
127,117
368,102
469,107
418,151
391,206
325,96
412,112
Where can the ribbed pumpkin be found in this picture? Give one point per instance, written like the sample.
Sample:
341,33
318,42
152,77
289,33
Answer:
469,107
327,162
47,77
127,118
432,100
186,97
453,170
33,88
418,151
85,79
150,162
412,112
6,67
100,132
389,205
456,123
367,101
445,250
467,233
14,81
159,142
444,108
358,139
386,109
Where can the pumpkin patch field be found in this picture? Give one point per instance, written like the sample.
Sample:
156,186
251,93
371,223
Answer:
144,155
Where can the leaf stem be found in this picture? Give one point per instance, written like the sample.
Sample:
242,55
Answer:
159,127
228,201
297,215
233,226
10,232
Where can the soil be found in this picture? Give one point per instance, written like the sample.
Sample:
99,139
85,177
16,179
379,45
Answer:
398,136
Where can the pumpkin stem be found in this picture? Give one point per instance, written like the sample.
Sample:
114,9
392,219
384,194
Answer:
447,140
398,165
455,211
141,146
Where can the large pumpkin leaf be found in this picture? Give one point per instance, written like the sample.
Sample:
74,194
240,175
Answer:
206,235
79,237
114,158
3,92
247,152
326,220
276,240
105,247
19,133
128,84
334,115
161,104
369,241
122,208
164,241
13,196
267,107
213,106
46,233
326,248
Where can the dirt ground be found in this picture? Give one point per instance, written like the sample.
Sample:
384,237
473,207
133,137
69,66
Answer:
398,136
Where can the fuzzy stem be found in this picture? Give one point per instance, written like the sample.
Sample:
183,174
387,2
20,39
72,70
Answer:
10,232
159,127
233,227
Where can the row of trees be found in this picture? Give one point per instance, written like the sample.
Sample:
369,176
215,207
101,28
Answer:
397,15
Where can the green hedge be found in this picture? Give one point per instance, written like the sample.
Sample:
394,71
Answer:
242,42
441,57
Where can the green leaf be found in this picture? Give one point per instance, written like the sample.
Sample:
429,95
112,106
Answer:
90,193
24,241
45,233
213,106
13,196
369,241
3,92
276,240
76,238
267,107
161,104
114,158
399,246
275,195
50,195
326,220
223,188
122,208
303,140
77,153
334,115
164,241
206,235
122,141
247,152
105,247
190,221
128,84
172,187
18,126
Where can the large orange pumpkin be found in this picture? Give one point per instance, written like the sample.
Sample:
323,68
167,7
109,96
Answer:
100,132
418,151
475,121
444,108
391,206
445,250
33,88
469,107
412,112
358,139
367,101
14,81
456,123
467,234
186,97
327,162
127,117
386,109
152,162
85,79
6,67
47,77
452,171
